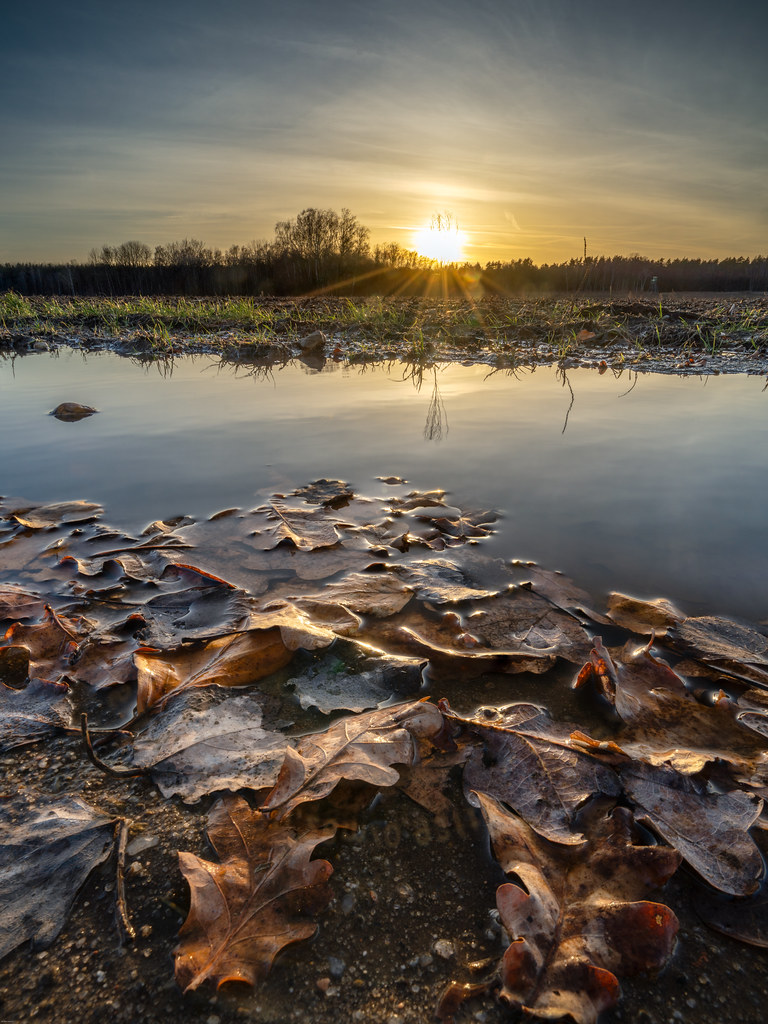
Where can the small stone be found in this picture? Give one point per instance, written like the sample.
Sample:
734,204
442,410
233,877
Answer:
140,844
444,949
336,967
323,984
347,902
314,341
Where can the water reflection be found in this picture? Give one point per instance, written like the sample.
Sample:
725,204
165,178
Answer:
643,483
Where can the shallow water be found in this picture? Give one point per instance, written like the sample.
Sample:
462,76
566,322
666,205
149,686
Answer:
656,485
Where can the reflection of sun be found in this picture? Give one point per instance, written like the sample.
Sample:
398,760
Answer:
442,243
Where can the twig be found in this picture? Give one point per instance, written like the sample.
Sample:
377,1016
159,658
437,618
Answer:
121,907
120,773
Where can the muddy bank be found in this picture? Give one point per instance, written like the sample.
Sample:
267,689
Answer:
667,333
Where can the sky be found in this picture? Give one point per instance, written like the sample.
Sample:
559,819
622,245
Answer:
642,126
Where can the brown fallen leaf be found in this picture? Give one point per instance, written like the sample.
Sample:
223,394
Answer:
664,723
32,713
302,528
439,581
527,762
644,617
556,587
45,517
18,603
742,919
51,643
710,830
255,902
364,747
733,648
579,916
231,660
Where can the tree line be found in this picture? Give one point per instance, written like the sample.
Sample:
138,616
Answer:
324,251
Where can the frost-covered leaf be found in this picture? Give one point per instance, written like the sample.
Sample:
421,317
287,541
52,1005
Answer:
32,713
199,744
259,899
579,917
526,762
364,747
46,853
710,830
732,647
51,643
555,587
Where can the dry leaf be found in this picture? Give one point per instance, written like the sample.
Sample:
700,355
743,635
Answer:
364,747
254,903
579,917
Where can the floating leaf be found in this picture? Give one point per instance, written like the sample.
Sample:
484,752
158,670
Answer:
743,919
644,617
70,412
47,852
364,747
254,903
368,593
578,916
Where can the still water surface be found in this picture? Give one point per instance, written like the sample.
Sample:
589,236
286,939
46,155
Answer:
656,485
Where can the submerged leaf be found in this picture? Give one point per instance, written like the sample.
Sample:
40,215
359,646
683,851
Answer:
254,903
46,853
302,528
17,603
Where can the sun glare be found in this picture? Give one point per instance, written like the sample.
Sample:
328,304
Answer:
441,240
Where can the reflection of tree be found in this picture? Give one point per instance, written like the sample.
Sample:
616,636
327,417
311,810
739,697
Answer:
437,419
562,376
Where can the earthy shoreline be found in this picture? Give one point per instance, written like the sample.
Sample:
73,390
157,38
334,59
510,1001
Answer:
667,333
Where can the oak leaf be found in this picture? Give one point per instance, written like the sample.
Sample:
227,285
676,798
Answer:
255,902
363,747
579,915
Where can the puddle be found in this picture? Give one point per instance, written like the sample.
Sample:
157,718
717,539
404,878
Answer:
649,484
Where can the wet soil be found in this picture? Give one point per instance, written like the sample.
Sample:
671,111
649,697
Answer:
722,333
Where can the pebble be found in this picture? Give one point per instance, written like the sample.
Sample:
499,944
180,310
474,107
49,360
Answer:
444,949
140,844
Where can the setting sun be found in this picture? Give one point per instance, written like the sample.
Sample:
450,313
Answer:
441,240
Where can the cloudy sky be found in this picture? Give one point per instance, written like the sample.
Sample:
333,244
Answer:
642,125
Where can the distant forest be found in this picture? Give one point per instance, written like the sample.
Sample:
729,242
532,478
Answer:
322,251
